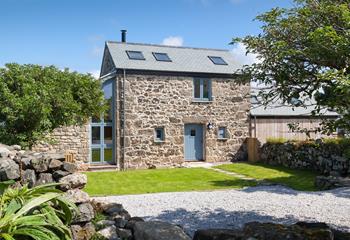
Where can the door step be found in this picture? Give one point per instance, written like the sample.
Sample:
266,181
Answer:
102,167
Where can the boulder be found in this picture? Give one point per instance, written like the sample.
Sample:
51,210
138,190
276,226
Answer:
9,170
84,232
77,196
109,233
124,234
56,156
26,163
44,178
16,147
55,164
4,151
75,180
57,175
158,231
217,234
112,208
131,223
29,177
40,164
104,223
85,213
120,222
70,167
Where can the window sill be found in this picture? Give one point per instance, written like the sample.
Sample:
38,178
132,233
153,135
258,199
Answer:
201,101
159,141
222,139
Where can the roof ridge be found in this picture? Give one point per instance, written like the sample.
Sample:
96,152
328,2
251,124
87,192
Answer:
166,46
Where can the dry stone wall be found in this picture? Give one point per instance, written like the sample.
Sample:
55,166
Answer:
167,101
73,139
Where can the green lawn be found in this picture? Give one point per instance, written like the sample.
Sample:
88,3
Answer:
297,179
160,180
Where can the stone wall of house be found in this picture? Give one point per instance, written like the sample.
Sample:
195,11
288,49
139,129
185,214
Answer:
73,139
167,101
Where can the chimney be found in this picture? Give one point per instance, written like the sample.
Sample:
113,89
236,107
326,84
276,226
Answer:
123,36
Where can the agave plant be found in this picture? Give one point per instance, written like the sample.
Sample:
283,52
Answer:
39,213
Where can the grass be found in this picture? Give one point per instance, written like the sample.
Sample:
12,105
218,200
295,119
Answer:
160,180
302,180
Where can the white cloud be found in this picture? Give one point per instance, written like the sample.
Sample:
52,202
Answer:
173,41
240,54
95,73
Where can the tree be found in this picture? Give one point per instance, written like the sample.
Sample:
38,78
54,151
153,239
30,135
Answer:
34,100
304,54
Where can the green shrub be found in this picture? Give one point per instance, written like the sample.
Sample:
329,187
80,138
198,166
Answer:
279,140
39,213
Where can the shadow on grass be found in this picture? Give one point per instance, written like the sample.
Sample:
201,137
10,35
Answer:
218,218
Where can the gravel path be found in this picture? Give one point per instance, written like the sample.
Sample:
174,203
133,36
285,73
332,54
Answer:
232,208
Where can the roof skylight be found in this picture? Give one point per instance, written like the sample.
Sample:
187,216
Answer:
161,57
135,55
217,60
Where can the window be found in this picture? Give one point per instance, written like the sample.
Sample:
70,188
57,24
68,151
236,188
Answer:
159,134
222,133
161,57
217,60
135,55
202,89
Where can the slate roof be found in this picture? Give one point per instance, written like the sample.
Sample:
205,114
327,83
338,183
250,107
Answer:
184,59
278,109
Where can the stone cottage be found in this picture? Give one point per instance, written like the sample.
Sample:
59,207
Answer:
168,105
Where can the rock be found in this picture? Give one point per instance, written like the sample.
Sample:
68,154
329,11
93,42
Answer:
55,164
56,156
40,164
104,223
9,170
26,163
70,167
86,213
131,223
84,232
120,222
109,233
122,214
158,231
112,208
57,175
217,234
29,177
77,196
44,178
124,234
4,151
330,182
16,147
75,180
339,235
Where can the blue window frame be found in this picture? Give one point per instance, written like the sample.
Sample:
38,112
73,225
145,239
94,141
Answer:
159,135
217,60
101,130
163,57
135,55
222,133
202,89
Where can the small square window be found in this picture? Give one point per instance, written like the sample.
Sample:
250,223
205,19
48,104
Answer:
222,133
163,57
159,135
135,55
217,60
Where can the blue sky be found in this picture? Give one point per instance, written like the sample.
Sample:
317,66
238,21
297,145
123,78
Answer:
71,33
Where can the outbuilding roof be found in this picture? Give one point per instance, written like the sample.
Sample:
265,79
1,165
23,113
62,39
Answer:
183,59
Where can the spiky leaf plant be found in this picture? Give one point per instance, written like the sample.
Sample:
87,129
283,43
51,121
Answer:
39,213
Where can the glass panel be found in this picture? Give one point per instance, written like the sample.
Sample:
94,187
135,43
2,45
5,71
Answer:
159,134
222,132
95,155
162,57
217,60
136,55
95,135
197,88
108,93
108,135
193,132
206,88
108,154
95,119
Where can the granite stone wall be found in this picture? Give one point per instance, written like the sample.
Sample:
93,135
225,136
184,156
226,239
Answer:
74,139
167,101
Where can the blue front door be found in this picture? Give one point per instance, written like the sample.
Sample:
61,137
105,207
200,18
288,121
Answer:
193,142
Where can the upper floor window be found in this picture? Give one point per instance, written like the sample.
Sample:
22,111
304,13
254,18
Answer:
163,57
159,135
217,60
135,55
202,89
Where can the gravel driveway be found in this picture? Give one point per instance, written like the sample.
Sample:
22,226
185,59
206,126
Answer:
232,208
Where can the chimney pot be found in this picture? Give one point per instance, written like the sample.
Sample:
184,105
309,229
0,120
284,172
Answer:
123,36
